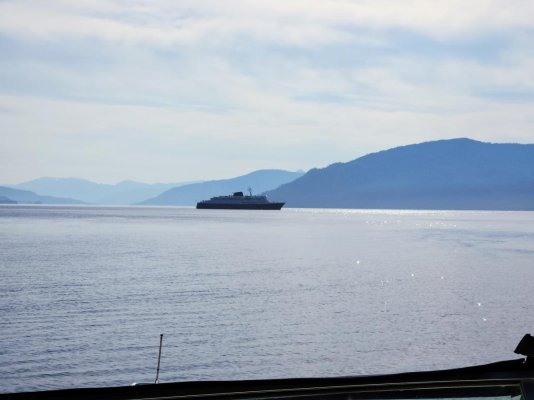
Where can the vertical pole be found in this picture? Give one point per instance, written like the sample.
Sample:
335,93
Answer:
159,357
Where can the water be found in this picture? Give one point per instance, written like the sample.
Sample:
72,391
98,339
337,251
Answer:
86,291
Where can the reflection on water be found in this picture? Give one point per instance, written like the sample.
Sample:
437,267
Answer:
86,291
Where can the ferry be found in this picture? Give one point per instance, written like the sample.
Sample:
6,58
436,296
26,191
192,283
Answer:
238,201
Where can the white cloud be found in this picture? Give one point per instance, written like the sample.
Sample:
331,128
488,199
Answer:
298,22
111,142
165,90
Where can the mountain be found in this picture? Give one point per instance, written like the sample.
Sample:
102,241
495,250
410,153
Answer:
27,197
457,174
5,200
259,181
126,192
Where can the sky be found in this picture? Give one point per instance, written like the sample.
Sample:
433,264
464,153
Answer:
172,91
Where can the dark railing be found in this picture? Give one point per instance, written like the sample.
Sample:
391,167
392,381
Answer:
500,380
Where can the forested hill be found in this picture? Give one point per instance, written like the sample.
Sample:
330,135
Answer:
456,174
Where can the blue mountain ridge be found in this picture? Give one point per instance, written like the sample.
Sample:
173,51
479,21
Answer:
6,200
28,197
259,181
456,174
125,192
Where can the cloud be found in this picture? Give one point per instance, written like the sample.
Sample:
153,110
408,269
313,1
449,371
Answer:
297,22
165,90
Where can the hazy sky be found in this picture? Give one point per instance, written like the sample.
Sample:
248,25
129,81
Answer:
176,90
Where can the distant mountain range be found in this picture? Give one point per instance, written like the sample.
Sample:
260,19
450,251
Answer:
78,191
457,174
259,181
12,196
126,192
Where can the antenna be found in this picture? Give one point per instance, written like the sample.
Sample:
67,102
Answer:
159,357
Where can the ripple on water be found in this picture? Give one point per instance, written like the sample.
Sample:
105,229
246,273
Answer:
86,291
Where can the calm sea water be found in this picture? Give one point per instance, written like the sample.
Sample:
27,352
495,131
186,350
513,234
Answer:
86,291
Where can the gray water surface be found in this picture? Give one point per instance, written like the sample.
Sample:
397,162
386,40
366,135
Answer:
86,291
